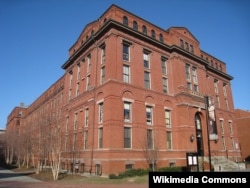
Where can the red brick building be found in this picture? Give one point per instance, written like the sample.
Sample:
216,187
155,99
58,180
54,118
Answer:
243,125
136,96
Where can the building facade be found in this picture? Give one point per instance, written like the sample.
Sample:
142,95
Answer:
137,96
243,125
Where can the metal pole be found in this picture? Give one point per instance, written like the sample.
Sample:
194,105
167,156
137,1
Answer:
208,140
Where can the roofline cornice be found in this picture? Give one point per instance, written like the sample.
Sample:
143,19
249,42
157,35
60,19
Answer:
119,26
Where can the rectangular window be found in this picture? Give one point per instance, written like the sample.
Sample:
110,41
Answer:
181,43
102,75
89,63
192,79
70,78
187,46
230,127
127,137
191,49
78,71
100,112
218,101
75,121
226,102
128,167
188,75
125,52
70,94
216,86
225,89
88,83
146,79
85,140
168,118
223,143
86,117
194,75
232,143
149,115
126,74
74,142
77,89
169,139
146,60
164,66
66,143
189,85
127,111
221,126
196,88
103,54
100,135
165,85
67,125
150,139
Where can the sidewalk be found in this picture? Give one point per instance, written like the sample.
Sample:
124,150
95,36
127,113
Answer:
8,175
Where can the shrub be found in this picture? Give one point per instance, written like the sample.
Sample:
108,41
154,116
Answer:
129,173
113,176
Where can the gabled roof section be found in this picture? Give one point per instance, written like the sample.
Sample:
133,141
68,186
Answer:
86,28
183,31
94,23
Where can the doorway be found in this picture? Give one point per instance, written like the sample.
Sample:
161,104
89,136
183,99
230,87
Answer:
199,138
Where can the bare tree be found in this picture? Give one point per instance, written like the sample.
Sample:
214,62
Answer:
55,151
27,143
150,147
9,147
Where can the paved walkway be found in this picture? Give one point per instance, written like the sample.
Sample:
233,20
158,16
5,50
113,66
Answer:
8,175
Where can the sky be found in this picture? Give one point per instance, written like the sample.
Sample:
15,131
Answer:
35,36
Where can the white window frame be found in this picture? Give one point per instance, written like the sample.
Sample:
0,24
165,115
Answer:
168,118
149,110
101,112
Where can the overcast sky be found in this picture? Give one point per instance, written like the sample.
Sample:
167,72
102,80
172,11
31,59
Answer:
35,36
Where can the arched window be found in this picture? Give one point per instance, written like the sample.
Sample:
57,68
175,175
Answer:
161,38
197,122
153,33
144,29
220,67
135,25
199,139
125,20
